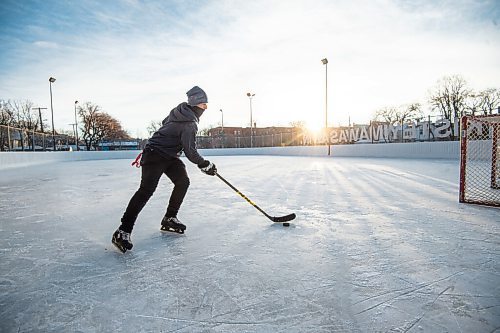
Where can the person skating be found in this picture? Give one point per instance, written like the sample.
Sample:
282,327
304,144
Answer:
161,156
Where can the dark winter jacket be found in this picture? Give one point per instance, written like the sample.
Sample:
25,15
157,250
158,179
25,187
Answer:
178,133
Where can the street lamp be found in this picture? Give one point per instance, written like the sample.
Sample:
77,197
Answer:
325,62
73,126
222,122
250,96
52,80
76,129
222,128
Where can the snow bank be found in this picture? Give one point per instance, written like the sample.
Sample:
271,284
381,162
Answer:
433,150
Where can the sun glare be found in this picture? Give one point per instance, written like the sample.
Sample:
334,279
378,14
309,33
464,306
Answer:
314,128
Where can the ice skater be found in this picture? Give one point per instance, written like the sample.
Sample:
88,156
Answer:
161,156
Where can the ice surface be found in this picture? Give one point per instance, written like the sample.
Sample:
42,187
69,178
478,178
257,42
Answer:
378,245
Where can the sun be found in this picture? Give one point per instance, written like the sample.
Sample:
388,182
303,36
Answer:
314,128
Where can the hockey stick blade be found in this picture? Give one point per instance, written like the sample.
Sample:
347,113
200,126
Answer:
285,218
278,219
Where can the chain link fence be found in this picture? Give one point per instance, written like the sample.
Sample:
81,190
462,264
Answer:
269,140
22,139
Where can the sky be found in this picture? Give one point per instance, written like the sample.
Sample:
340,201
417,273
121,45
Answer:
137,59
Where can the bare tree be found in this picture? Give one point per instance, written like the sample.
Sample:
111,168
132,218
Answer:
153,127
299,127
111,129
490,100
90,131
449,96
98,125
386,114
6,119
398,115
484,102
409,112
298,124
6,113
473,103
24,119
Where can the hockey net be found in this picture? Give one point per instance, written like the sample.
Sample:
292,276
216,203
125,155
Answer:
480,160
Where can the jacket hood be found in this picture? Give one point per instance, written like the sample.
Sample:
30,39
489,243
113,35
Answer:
184,113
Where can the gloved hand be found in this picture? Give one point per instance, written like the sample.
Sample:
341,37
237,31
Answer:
208,167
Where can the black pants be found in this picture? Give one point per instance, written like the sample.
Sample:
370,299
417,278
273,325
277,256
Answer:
153,167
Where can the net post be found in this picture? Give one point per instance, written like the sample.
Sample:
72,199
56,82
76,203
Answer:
463,157
495,158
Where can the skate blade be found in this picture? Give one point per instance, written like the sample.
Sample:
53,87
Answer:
168,229
119,247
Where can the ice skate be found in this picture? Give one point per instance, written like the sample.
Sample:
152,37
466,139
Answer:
172,224
122,241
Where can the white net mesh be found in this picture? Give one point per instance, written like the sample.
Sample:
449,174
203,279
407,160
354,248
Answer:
480,160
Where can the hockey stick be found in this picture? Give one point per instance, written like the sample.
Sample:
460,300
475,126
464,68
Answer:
285,218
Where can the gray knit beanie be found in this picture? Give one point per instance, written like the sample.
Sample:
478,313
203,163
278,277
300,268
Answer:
196,96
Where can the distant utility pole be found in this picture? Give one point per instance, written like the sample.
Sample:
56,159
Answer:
41,125
40,115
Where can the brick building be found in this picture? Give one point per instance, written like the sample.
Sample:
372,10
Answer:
240,137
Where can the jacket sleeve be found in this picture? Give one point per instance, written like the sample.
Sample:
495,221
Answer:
188,139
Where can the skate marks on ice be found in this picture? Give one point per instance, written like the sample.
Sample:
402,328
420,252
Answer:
396,244
375,247
379,215
233,278
228,302
392,295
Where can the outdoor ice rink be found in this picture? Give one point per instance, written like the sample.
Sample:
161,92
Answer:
378,245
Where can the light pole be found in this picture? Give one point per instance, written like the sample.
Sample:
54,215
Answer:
52,80
76,129
222,128
222,120
250,96
325,62
73,126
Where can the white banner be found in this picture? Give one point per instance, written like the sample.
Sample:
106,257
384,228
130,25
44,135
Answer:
384,132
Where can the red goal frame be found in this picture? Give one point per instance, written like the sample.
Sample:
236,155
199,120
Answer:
480,163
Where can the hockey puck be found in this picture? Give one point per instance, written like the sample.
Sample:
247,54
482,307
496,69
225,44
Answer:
286,224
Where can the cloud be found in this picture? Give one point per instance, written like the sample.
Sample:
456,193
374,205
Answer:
137,59
45,45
